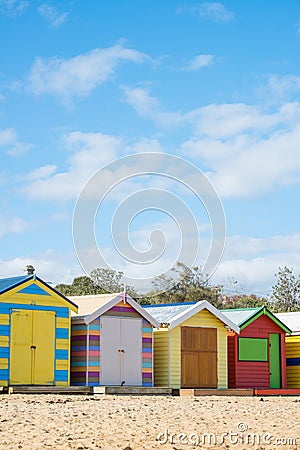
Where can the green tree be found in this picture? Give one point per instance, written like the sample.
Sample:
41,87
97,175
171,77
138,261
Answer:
111,281
100,281
189,285
80,286
243,301
285,295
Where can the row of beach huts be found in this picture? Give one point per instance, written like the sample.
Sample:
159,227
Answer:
110,340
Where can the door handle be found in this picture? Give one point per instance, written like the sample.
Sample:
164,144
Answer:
121,350
33,347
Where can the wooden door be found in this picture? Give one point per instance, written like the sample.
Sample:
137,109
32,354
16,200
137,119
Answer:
32,347
198,357
43,353
20,347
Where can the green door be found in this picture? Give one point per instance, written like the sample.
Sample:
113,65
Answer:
275,362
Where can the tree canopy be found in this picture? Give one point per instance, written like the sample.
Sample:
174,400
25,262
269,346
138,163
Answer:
285,295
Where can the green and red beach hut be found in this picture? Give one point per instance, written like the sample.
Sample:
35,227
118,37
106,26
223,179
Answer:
257,356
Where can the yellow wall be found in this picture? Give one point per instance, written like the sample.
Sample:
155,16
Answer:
202,319
293,351
160,357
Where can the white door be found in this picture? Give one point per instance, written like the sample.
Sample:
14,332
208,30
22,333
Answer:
120,351
131,339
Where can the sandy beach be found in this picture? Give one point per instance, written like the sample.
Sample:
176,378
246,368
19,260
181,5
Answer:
148,422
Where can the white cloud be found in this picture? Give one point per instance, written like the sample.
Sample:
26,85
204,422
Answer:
280,88
240,145
199,61
256,274
53,267
12,225
214,11
11,143
51,15
13,7
42,172
78,76
148,107
89,152
251,154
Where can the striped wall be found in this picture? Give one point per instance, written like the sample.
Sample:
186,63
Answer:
87,351
293,361
35,297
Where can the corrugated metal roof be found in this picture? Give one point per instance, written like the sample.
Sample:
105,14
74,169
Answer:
239,316
6,283
165,313
291,320
87,304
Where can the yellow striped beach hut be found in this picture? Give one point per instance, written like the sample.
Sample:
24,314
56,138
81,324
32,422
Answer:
190,347
34,332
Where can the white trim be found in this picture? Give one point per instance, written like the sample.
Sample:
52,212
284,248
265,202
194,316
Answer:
114,301
181,317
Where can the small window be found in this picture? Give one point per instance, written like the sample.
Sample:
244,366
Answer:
253,349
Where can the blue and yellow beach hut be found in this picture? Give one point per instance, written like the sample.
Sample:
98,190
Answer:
35,322
292,320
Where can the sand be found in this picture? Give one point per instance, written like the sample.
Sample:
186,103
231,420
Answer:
148,422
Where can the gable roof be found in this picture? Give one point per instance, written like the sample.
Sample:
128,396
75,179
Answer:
292,320
92,306
245,316
172,315
6,284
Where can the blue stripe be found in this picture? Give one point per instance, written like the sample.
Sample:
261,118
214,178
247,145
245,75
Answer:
4,330
61,354
3,374
62,333
78,363
147,330
94,363
4,352
147,350
33,289
78,327
94,347
146,384
61,375
60,311
93,383
77,348
147,364
293,361
94,327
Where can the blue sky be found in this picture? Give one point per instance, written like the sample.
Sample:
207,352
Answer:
85,83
